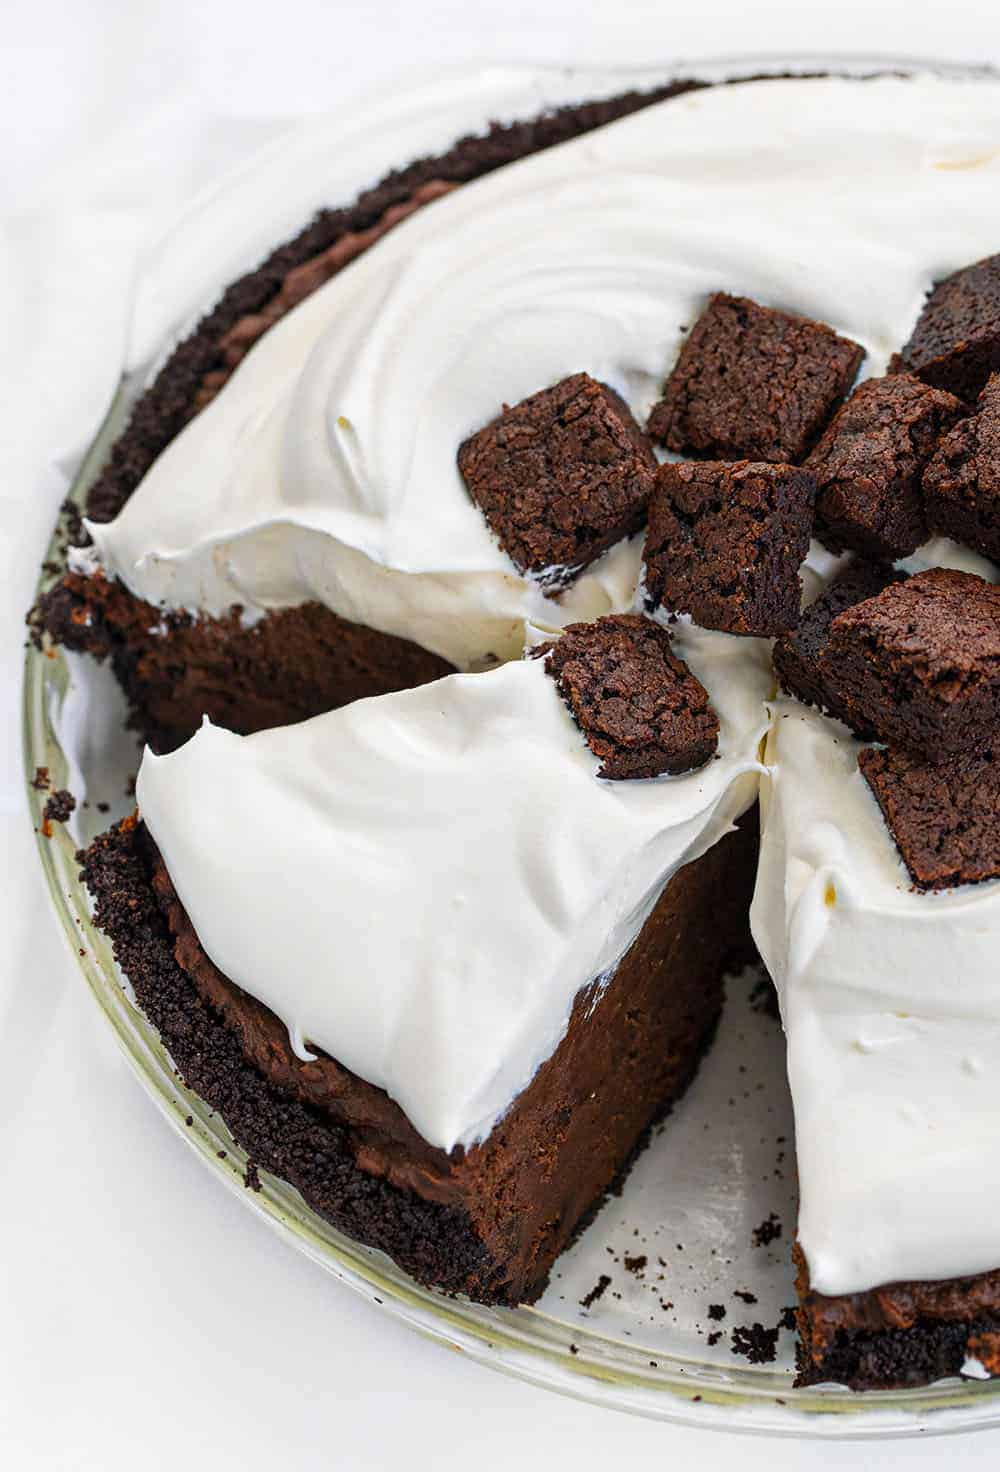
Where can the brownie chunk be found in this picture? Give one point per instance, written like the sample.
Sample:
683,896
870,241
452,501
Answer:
962,480
797,655
919,664
560,477
639,707
725,542
956,342
753,383
944,817
868,464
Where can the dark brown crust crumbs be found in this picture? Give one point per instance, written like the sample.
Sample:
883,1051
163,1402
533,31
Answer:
868,464
560,477
753,383
639,707
797,655
944,817
919,664
301,281
59,807
955,344
902,1334
725,543
769,1231
962,481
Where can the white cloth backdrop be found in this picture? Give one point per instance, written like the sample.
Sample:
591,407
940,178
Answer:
146,1319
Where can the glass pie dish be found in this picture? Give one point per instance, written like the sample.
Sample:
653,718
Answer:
656,1306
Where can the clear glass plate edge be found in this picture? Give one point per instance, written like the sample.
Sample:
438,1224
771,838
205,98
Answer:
522,1343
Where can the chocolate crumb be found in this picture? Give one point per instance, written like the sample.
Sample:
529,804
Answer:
714,1337
41,781
635,1265
59,806
757,1344
598,1291
746,1297
640,708
716,1310
787,1320
768,1231
251,1179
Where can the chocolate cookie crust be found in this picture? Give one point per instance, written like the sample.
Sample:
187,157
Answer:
560,477
944,817
955,344
868,464
753,383
797,656
640,708
961,484
725,543
906,1333
919,664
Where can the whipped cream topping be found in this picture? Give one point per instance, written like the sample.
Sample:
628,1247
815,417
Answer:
421,883
891,1008
326,467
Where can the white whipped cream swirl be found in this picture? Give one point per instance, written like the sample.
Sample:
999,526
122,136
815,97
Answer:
326,468
421,883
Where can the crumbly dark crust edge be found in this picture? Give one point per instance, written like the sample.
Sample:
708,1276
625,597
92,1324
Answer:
894,1359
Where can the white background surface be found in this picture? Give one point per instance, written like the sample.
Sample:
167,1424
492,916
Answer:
146,1319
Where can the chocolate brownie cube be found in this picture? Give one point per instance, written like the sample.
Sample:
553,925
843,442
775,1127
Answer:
725,542
962,480
560,477
868,464
943,816
919,664
640,708
956,342
797,654
753,383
